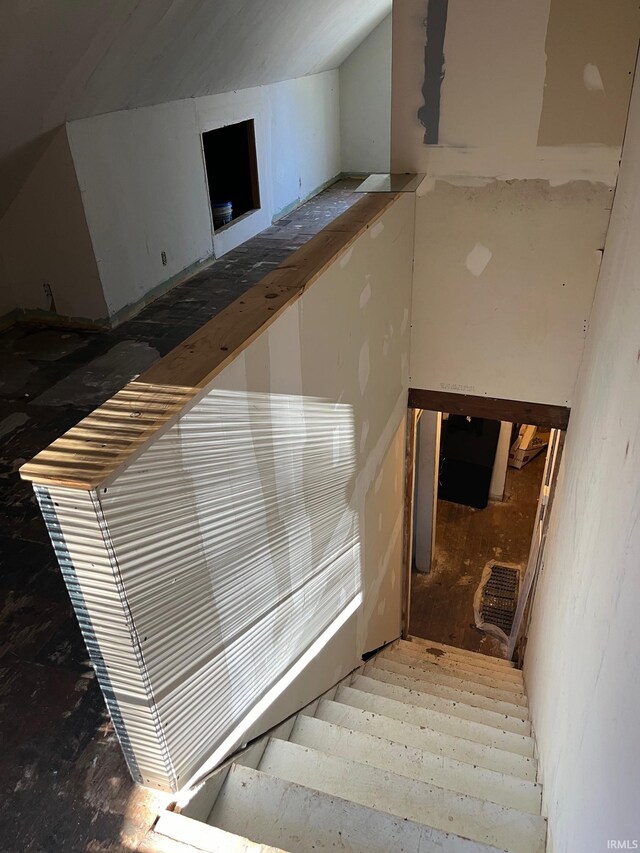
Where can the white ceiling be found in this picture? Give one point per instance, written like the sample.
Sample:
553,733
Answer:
74,58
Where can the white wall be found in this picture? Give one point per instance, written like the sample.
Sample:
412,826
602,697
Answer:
44,240
67,60
581,664
141,176
365,104
504,280
512,215
344,342
143,182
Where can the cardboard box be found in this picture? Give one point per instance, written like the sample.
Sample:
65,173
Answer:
530,442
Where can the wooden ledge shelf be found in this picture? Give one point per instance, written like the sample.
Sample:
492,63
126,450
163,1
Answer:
92,453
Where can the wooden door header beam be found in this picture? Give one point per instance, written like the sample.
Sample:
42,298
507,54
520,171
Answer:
515,411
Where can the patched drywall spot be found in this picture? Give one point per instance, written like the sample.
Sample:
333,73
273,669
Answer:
382,606
365,294
377,230
405,321
378,483
364,434
477,259
344,260
363,367
592,79
434,69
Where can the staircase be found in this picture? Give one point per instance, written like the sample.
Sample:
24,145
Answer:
425,748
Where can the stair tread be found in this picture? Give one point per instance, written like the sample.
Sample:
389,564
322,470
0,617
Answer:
421,737
412,762
186,830
468,695
453,662
301,819
422,698
439,720
509,690
467,816
454,650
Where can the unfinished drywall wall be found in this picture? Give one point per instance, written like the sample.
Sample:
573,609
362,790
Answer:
503,286
514,116
301,440
68,61
510,220
143,181
592,71
581,658
347,340
297,126
141,177
46,257
365,104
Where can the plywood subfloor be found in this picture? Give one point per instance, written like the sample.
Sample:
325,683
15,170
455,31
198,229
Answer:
466,539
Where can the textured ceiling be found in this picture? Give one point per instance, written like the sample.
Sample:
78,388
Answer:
75,58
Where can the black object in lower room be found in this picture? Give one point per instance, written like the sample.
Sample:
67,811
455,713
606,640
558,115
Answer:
467,453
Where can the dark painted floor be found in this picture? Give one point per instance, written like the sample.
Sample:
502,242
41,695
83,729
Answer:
63,782
466,539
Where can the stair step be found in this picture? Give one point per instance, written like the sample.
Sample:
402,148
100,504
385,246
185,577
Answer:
445,706
468,817
301,820
389,706
202,836
428,739
434,688
418,764
455,664
464,653
508,691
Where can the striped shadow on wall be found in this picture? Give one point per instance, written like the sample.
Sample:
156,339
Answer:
208,568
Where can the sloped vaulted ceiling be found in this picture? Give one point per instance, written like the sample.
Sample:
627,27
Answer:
75,58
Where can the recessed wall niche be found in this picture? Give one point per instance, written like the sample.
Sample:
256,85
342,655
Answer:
232,171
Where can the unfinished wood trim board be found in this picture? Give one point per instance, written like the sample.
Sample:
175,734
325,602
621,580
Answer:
515,411
104,442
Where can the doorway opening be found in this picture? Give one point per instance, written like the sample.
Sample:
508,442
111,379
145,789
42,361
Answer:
479,498
232,172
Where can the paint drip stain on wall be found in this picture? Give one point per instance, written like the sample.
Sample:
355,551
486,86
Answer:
477,259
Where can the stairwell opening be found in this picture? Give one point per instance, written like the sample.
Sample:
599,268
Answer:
479,491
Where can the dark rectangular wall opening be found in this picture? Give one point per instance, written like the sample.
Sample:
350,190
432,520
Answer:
232,169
